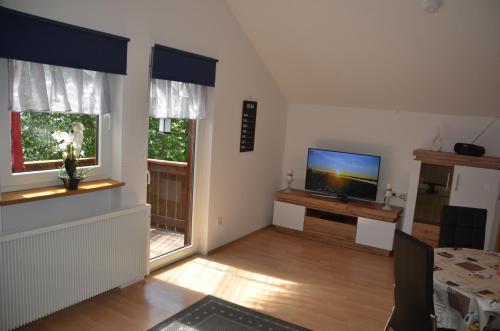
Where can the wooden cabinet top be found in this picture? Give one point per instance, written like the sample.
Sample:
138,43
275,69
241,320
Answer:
355,208
453,159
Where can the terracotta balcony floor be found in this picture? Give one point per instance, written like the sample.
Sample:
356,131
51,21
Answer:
163,241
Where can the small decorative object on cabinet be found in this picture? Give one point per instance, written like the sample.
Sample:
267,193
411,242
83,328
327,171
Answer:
437,142
387,197
289,178
70,144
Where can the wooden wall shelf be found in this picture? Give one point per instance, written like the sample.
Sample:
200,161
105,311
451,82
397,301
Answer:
453,159
16,197
352,208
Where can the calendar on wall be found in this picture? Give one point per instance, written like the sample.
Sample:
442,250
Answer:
248,120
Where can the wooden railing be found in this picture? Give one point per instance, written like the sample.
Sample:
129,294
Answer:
55,164
168,194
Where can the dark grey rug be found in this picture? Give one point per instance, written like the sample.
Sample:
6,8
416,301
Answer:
214,314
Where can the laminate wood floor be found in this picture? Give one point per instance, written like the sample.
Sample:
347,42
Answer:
315,285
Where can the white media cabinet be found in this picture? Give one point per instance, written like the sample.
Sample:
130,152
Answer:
354,224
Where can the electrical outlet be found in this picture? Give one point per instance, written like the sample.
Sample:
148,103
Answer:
219,220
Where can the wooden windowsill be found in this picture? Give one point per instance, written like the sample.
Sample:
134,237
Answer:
43,193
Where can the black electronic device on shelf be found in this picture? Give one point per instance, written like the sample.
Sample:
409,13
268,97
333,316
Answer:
471,149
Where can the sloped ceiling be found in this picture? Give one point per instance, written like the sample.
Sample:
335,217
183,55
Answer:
385,54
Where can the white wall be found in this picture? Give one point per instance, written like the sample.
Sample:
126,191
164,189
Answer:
380,54
238,187
392,134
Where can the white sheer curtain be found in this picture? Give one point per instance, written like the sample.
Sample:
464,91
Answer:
170,99
48,88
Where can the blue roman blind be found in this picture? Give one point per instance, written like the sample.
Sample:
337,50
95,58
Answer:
174,64
36,39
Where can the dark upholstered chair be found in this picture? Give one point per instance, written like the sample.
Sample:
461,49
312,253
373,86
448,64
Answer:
413,304
462,227
493,323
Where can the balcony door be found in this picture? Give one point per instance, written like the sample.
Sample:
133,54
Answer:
170,185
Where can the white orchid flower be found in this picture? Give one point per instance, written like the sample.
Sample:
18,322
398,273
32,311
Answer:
66,137
70,143
77,151
78,144
78,127
63,146
57,135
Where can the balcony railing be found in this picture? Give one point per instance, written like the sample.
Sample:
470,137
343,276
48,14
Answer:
55,164
168,194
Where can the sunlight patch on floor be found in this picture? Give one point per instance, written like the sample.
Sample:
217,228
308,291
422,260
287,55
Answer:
224,281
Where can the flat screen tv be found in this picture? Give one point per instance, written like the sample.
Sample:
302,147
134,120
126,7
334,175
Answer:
343,175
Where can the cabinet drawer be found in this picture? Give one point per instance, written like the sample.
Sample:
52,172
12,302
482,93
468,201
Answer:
375,233
329,230
289,215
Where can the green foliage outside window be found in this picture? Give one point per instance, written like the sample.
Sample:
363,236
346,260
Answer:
36,130
38,144
171,146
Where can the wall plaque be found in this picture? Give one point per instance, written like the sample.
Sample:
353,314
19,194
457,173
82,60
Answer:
248,120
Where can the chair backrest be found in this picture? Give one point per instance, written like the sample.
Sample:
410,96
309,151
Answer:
462,227
413,267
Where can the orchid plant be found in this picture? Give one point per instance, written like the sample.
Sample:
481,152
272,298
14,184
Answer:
70,144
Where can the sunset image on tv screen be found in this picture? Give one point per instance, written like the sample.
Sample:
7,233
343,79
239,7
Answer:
346,174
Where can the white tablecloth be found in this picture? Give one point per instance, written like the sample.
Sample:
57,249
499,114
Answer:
466,287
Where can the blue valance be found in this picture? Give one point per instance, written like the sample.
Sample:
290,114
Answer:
36,39
176,65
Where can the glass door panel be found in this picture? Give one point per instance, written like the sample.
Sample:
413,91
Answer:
434,189
170,166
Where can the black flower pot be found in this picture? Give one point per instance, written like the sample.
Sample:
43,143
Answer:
71,183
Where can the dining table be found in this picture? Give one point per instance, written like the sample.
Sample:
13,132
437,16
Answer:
466,288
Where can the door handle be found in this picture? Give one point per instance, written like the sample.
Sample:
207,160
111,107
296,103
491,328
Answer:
148,177
457,182
447,181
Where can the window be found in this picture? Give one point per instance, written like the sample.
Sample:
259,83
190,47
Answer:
45,98
172,146
51,74
41,100
38,150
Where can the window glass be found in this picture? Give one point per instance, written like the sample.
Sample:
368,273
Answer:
171,146
39,149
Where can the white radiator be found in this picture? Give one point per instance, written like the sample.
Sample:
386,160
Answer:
48,269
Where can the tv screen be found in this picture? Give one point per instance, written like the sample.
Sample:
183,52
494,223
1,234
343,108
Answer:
342,174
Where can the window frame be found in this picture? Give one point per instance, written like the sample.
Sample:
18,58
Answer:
10,181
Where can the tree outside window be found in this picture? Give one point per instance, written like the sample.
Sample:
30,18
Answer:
39,149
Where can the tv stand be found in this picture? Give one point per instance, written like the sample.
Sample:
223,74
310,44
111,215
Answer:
355,224
340,197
